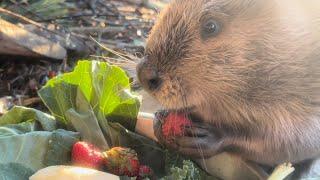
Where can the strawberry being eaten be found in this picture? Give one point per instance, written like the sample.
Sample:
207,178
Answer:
174,125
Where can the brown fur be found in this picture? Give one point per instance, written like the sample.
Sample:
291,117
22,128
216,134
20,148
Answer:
259,77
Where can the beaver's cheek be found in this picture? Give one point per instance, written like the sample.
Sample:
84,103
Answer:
168,95
203,113
169,100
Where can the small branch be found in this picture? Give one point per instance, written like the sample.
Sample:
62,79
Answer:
78,16
21,17
108,29
27,20
30,101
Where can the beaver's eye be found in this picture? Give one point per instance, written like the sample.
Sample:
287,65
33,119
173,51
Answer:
209,28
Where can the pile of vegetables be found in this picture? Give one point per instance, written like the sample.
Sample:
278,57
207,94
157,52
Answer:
91,107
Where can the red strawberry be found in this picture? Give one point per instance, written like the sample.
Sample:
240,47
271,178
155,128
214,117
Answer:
122,161
87,155
174,125
144,172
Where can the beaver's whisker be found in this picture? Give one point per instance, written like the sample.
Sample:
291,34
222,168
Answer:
121,55
114,59
185,106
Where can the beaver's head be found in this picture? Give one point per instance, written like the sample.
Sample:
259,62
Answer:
222,54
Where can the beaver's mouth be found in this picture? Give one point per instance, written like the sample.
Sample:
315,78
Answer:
188,112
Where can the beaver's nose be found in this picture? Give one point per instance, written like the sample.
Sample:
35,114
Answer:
148,76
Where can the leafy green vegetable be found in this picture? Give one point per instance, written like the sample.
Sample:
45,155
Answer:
28,138
14,171
31,149
59,147
188,172
85,121
105,87
21,114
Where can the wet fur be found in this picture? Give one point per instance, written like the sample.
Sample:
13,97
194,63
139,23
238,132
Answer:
259,78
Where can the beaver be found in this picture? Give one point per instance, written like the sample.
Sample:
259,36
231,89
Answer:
247,72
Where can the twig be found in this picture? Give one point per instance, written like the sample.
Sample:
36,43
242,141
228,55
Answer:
110,50
21,17
28,21
108,29
78,16
30,101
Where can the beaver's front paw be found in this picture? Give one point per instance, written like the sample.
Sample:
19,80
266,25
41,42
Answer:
198,140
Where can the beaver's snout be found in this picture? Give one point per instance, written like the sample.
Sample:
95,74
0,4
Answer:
148,76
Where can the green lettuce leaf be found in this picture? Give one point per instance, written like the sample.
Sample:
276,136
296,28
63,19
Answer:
105,87
32,149
29,138
14,171
85,121
59,147
20,114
